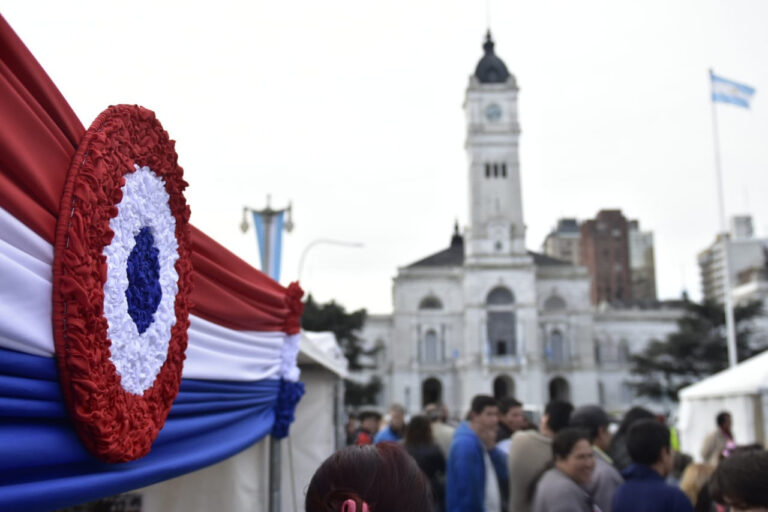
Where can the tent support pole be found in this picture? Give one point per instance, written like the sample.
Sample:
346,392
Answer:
274,474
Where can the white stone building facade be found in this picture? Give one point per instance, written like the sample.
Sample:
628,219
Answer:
747,259
488,316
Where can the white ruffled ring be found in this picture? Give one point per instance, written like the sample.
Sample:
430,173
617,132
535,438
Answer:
289,370
138,357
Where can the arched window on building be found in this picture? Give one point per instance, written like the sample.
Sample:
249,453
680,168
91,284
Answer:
500,296
614,352
431,392
598,351
554,303
556,347
501,322
381,353
430,302
609,351
623,355
431,351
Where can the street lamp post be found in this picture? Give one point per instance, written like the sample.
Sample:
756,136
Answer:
339,393
268,216
322,241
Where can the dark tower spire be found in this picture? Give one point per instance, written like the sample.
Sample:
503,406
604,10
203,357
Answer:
491,69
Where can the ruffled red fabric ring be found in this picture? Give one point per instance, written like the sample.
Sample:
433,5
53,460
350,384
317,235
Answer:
293,296
122,277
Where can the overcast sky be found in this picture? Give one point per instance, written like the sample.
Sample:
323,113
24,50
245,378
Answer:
352,111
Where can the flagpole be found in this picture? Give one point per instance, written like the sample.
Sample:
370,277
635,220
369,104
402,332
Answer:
724,237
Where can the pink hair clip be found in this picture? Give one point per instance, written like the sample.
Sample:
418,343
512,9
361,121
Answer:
351,506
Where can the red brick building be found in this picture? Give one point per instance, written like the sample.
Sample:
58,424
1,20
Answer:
605,252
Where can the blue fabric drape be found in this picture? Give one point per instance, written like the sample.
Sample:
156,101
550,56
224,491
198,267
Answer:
43,465
289,395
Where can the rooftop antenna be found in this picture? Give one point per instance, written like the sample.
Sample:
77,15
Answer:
683,279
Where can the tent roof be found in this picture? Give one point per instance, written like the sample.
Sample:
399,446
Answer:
322,348
747,377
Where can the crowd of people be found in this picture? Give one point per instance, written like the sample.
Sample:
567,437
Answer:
496,460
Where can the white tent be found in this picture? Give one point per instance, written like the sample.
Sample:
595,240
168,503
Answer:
240,483
741,390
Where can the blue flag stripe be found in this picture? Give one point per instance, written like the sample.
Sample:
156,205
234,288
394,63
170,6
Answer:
725,98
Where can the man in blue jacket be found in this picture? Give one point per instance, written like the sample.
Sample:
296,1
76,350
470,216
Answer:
645,489
395,428
471,484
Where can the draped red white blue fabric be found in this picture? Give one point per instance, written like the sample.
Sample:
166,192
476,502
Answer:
98,313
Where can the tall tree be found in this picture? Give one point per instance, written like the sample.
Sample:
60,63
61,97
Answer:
696,350
345,326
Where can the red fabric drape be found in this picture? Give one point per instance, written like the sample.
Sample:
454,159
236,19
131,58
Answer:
235,294
39,134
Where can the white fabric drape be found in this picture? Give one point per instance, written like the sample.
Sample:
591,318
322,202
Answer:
25,288
214,352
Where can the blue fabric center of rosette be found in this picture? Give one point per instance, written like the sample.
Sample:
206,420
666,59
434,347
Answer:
144,290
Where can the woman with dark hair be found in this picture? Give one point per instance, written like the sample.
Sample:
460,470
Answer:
371,478
740,481
562,487
427,454
618,451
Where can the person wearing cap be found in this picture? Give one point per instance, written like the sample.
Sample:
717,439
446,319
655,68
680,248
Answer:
605,478
369,425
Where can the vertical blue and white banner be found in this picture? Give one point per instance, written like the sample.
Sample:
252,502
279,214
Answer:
269,233
728,91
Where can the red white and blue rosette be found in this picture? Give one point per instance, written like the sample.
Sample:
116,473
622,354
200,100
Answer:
121,283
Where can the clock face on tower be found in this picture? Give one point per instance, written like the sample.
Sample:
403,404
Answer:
493,112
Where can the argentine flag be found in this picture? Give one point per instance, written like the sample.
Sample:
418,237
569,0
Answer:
728,91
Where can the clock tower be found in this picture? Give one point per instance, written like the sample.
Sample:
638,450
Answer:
496,233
